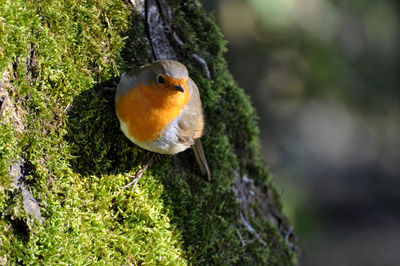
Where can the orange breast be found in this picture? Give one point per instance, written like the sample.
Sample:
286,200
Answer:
147,111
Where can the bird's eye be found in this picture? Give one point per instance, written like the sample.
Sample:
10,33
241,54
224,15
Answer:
160,79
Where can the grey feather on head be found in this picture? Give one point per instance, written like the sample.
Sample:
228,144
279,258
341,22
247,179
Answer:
170,68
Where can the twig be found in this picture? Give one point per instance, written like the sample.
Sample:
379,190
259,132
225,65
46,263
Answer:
203,64
251,230
240,237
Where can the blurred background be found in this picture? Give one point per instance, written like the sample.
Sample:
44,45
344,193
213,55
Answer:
324,76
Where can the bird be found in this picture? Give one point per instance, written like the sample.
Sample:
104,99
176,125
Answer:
160,110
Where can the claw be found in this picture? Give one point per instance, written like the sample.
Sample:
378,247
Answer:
138,175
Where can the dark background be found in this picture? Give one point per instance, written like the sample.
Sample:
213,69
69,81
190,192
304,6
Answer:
324,78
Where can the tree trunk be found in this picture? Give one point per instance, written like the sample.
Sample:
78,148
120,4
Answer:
63,158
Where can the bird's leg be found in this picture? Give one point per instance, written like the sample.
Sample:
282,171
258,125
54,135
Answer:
138,174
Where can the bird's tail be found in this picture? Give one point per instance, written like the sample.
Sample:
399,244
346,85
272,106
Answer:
201,158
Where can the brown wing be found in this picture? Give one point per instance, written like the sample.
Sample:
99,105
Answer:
191,123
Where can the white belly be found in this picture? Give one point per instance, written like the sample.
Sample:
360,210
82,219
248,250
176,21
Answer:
169,143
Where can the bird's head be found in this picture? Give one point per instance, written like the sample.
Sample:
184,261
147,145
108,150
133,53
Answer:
167,83
170,75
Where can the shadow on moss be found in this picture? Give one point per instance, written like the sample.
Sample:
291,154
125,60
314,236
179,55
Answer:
98,146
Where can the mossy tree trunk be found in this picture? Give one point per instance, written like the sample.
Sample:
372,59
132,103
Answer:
63,158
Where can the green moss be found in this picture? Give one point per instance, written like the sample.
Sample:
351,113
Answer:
61,55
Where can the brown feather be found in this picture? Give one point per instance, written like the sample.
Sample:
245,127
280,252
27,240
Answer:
191,126
191,122
201,158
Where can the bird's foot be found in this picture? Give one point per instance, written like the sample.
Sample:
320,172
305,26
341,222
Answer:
135,181
137,176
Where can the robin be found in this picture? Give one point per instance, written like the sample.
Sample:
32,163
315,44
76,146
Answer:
159,109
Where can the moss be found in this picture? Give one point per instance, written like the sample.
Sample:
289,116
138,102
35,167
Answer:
60,56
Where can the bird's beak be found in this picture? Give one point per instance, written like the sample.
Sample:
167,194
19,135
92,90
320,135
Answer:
179,88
